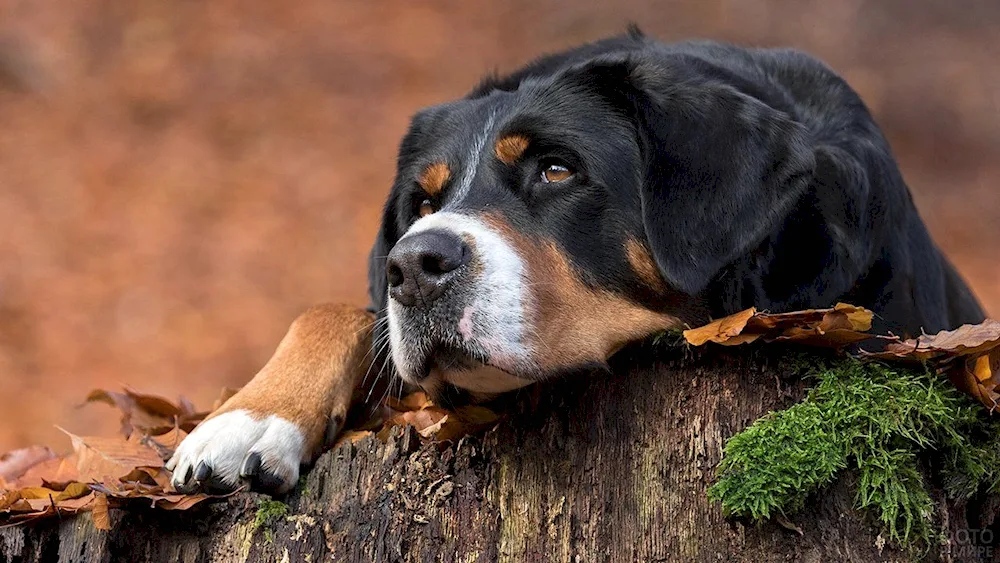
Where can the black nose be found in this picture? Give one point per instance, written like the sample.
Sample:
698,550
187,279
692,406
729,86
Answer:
422,266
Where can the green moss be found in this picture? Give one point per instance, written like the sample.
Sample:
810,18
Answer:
303,486
882,421
671,338
268,512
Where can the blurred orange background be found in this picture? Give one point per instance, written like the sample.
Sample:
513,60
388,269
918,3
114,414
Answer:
179,179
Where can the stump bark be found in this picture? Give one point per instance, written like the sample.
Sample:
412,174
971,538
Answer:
608,468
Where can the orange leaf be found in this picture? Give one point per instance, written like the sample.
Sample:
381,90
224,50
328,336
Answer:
352,436
179,502
836,327
99,458
721,330
76,505
16,463
412,402
52,471
102,519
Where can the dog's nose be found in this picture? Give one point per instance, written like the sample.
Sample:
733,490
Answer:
422,266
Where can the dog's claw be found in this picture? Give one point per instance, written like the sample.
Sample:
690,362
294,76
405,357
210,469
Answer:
251,466
202,473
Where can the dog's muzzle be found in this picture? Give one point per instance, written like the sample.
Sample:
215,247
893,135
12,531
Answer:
421,267
457,305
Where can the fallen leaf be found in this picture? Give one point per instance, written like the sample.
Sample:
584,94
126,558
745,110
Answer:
352,436
164,444
73,506
57,470
179,502
102,519
152,476
16,463
147,413
412,402
720,331
836,327
11,501
966,340
100,458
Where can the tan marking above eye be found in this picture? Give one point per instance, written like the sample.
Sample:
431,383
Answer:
426,208
511,148
434,177
556,173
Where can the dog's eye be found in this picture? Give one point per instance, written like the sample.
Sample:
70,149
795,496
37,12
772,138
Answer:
426,208
556,173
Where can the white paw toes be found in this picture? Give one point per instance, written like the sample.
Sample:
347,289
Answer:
235,448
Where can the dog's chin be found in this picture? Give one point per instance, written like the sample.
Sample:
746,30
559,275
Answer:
447,365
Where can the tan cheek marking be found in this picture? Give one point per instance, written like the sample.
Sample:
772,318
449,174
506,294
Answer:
314,373
510,148
642,263
434,177
575,324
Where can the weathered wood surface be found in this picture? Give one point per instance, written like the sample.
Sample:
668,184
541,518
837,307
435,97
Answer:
612,469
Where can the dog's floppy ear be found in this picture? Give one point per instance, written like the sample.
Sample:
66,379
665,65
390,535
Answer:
378,285
721,167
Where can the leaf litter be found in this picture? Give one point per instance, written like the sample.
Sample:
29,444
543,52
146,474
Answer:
104,472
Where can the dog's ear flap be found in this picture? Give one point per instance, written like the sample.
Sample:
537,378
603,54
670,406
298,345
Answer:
378,284
722,170
721,167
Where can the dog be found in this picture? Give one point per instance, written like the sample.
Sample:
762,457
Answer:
588,200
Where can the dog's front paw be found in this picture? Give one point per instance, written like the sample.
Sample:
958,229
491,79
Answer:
236,448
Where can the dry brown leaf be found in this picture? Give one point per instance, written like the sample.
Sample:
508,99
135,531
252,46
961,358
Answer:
72,491
721,330
102,519
412,402
16,463
100,458
179,502
73,506
147,413
836,327
966,340
151,476
57,470
352,436
11,501
164,444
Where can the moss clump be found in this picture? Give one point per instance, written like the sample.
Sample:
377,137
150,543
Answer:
883,421
268,512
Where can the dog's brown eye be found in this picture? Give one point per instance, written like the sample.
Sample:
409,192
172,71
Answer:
556,173
426,208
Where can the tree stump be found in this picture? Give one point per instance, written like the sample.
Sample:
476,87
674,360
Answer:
611,468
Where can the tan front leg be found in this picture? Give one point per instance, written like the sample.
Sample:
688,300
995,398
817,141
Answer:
279,420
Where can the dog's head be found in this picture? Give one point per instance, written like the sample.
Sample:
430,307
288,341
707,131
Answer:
538,225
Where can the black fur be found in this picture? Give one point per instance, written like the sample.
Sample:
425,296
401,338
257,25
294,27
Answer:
757,177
